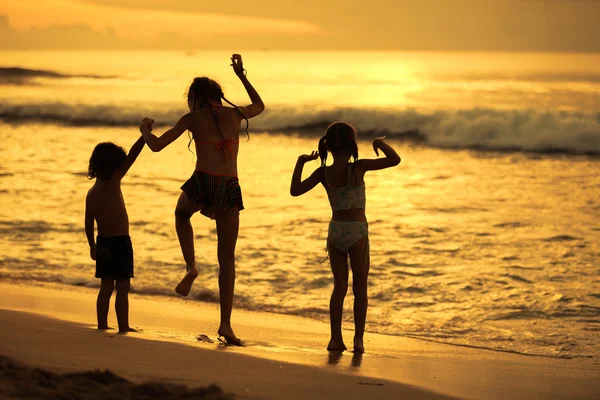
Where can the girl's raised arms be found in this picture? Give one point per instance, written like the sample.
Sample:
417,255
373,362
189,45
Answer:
158,143
391,158
257,106
298,186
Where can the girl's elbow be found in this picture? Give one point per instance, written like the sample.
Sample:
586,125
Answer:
260,108
397,160
295,192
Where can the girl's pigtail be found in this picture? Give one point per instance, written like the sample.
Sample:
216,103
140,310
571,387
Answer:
323,150
243,116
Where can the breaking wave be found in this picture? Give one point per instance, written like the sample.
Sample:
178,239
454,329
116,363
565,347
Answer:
478,128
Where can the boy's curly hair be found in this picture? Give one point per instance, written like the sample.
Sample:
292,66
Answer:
106,158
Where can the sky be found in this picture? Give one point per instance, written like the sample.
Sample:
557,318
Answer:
444,25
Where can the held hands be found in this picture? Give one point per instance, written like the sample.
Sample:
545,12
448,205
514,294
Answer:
237,64
147,123
377,144
304,158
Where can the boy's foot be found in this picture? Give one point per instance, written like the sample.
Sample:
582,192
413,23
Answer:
335,345
359,347
185,285
127,330
228,337
104,328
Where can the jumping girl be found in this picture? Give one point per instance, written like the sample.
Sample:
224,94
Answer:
213,189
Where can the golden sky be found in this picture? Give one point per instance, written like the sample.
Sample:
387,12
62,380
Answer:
521,25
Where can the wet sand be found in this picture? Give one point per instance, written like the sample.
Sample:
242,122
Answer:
53,328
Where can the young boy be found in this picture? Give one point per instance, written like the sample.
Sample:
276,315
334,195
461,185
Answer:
113,251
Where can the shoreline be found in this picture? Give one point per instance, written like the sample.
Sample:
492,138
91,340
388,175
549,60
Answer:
158,296
417,368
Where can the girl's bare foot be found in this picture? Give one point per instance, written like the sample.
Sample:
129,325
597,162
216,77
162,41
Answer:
359,347
127,330
336,345
185,285
230,338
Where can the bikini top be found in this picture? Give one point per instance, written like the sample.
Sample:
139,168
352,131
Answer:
346,197
224,145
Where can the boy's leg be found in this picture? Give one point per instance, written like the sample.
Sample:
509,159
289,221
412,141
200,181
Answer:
359,259
339,267
228,222
107,286
185,233
122,305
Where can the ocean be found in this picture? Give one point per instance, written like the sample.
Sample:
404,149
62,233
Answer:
486,235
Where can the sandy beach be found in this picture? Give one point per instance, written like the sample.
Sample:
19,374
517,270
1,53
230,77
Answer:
52,328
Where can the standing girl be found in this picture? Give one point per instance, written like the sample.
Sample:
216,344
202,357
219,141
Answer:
213,189
348,229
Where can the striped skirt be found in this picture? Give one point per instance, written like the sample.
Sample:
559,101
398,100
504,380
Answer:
214,192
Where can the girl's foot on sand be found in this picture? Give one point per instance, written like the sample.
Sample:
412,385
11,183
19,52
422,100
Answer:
359,347
185,285
228,337
335,345
129,330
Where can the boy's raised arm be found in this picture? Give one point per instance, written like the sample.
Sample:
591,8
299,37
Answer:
134,152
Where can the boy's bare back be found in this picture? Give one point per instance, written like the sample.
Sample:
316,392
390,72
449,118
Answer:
105,201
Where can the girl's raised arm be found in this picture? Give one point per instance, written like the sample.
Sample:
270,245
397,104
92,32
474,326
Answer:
257,105
391,158
298,186
158,143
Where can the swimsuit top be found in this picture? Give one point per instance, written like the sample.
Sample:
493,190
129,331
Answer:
346,197
225,144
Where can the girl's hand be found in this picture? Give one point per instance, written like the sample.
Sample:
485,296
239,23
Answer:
237,64
147,123
93,252
377,144
309,157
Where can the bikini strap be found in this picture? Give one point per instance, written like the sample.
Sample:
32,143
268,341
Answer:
350,165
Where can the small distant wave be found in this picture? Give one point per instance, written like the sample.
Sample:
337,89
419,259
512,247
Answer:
561,238
517,278
480,129
18,75
515,224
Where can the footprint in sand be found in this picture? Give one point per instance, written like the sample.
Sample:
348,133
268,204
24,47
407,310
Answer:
204,338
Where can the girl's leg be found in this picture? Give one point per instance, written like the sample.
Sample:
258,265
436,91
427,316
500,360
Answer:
359,260
228,222
122,306
185,233
107,285
339,267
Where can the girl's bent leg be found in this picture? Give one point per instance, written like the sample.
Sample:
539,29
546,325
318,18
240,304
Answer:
228,222
185,233
359,259
107,285
339,267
